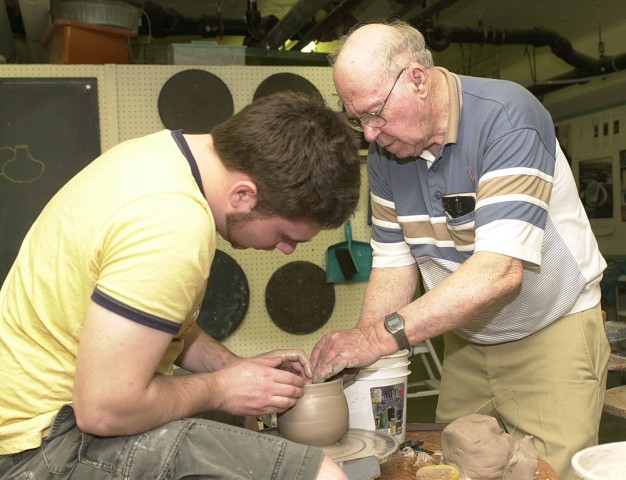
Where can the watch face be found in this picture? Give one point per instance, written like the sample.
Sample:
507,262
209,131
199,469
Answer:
394,322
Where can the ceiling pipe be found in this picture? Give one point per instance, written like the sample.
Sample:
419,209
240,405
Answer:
329,22
602,66
212,26
253,20
440,37
297,17
561,81
166,22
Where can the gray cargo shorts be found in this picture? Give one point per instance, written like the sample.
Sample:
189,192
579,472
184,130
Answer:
186,448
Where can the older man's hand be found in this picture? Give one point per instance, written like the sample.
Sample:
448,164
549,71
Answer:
343,349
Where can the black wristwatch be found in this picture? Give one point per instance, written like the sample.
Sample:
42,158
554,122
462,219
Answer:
394,324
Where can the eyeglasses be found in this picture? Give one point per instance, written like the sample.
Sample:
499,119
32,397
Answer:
374,119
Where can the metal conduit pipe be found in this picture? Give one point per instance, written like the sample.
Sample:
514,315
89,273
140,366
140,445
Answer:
297,16
440,37
560,81
325,24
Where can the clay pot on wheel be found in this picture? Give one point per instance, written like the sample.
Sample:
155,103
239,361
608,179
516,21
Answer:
320,416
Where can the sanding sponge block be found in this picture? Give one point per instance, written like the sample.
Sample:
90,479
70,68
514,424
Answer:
438,472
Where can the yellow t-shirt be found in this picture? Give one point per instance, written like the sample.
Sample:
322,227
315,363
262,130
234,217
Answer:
133,231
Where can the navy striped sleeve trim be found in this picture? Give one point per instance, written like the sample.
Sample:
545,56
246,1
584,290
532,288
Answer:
134,314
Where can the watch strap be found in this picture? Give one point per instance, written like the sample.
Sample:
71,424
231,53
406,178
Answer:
402,339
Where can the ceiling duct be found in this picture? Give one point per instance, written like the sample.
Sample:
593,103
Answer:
165,22
301,15
332,26
439,38
297,17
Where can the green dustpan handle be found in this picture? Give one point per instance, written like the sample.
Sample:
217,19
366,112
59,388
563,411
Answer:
348,229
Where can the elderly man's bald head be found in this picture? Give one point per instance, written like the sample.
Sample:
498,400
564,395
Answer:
363,48
380,47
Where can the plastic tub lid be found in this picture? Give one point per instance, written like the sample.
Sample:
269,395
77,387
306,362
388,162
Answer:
601,462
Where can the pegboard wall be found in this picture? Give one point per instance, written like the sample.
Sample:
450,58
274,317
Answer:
128,102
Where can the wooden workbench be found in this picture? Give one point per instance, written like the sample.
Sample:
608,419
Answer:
616,362
615,401
401,467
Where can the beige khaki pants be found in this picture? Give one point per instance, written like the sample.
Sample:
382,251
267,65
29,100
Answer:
550,385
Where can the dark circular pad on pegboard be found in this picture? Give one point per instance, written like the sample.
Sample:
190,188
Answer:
195,101
279,82
226,299
298,299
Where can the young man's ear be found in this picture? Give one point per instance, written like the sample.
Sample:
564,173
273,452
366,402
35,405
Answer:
243,195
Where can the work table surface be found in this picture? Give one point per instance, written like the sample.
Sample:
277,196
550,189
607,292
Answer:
401,467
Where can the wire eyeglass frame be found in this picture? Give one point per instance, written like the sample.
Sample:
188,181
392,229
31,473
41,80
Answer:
374,119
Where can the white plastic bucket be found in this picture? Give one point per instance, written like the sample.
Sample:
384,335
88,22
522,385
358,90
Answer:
377,398
602,462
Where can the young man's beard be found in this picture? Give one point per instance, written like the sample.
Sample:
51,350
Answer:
235,222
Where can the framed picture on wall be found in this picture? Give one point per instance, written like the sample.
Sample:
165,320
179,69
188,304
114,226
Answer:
596,187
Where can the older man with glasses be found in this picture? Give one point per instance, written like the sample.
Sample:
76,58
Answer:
470,190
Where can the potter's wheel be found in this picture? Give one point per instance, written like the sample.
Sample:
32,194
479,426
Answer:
358,443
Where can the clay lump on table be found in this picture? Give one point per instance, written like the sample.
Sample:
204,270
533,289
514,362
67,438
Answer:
478,447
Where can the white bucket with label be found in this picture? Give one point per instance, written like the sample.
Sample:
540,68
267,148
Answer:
377,398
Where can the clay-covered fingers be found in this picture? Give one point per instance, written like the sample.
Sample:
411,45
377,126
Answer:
347,375
329,369
341,349
329,357
291,360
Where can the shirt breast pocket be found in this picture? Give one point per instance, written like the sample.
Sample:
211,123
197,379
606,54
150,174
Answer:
462,231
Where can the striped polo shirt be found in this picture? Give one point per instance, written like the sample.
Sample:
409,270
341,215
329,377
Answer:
501,156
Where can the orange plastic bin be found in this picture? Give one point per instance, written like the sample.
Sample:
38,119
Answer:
74,42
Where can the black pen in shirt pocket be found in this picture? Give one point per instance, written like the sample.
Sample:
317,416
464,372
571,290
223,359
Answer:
459,204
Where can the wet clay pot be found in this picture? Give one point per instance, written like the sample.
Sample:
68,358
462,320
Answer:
320,416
